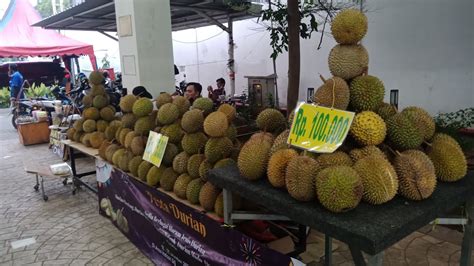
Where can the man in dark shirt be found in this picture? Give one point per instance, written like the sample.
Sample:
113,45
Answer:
215,94
193,91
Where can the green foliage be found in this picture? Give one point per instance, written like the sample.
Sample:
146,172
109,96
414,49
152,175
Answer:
4,97
105,61
279,32
37,91
460,119
271,100
238,5
45,7
451,123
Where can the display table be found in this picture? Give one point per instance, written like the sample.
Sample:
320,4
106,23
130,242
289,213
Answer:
171,231
74,149
367,228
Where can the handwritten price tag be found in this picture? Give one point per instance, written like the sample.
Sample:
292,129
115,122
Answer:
155,148
319,129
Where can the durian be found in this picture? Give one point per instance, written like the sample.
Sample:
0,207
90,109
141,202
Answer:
348,61
339,188
379,179
300,177
277,164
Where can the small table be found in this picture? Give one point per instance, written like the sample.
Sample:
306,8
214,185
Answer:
76,178
42,171
367,228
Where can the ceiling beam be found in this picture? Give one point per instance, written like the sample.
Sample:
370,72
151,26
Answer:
94,19
108,35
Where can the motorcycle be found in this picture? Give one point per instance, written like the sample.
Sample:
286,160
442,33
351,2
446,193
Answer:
25,107
83,88
181,89
114,93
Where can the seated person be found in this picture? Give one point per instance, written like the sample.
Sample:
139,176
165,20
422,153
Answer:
141,92
193,91
214,94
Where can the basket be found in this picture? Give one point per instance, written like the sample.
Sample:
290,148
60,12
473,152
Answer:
33,133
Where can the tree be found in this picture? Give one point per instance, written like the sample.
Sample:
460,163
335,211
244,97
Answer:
105,61
294,20
45,7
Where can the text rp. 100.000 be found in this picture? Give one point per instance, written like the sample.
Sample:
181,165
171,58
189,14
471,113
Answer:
319,129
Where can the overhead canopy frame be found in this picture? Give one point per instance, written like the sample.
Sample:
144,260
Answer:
99,15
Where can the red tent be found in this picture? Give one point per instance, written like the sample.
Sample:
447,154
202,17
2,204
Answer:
18,38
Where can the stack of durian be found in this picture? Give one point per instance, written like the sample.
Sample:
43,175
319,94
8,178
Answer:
199,140
96,117
387,153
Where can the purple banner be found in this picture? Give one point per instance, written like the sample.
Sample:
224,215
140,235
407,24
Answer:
170,232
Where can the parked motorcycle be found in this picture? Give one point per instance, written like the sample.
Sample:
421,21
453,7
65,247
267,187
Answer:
83,88
181,89
25,107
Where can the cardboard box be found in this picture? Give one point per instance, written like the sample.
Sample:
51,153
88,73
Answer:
55,141
33,133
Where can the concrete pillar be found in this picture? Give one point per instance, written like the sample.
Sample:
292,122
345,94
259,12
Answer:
146,48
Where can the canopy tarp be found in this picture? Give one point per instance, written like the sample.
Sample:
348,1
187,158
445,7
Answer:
18,38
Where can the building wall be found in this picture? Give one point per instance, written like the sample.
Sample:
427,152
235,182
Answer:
423,48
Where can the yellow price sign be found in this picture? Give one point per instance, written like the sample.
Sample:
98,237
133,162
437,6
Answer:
155,148
319,129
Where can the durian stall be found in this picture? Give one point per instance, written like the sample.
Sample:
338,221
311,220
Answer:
168,210
169,171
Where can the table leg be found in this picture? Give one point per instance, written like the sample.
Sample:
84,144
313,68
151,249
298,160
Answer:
36,187
327,250
372,260
302,235
227,206
73,168
300,246
467,246
73,161
45,198
375,260
357,256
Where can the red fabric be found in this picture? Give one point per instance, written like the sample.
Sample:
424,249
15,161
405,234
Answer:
18,38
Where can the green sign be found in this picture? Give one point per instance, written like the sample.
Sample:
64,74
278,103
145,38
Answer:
155,148
319,129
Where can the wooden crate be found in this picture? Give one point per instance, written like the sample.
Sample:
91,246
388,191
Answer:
33,133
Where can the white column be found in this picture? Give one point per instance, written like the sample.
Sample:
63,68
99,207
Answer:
146,48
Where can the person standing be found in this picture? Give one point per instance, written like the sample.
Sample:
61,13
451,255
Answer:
193,91
215,94
16,82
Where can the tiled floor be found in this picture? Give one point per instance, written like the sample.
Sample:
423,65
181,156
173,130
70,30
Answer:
69,230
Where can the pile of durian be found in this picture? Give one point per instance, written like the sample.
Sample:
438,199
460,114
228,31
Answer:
97,116
387,153
200,139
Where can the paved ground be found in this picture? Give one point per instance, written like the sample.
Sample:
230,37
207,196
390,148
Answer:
69,230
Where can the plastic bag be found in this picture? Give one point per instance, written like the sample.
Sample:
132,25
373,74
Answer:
60,169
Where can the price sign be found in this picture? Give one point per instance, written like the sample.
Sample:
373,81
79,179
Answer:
319,129
155,148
